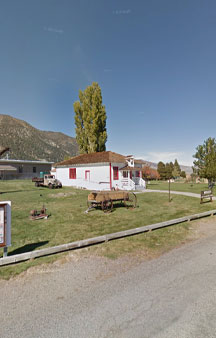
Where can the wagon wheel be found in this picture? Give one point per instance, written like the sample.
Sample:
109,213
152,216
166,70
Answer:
133,199
125,202
91,204
107,206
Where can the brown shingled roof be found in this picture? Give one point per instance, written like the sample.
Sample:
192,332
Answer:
139,162
127,168
100,157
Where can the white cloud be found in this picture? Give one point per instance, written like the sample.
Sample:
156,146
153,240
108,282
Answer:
183,158
53,30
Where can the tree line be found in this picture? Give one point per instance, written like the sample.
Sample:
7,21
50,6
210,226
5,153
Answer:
170,170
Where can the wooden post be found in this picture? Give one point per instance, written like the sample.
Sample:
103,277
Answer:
169,191
5,251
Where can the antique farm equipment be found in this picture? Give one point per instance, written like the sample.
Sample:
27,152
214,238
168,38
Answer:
34,214
105,199
47,181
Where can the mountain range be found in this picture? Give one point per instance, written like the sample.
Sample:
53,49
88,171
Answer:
28,143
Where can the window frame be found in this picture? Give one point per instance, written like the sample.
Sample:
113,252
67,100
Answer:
86,175
72,173
115,173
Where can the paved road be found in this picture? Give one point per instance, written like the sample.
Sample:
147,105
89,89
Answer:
172,296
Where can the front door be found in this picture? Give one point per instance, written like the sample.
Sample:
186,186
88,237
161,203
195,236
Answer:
87,175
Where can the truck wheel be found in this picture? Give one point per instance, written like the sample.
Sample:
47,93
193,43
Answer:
36,184
50,186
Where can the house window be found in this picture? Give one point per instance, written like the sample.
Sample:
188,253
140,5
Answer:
115,173
125,174
34,169
72,173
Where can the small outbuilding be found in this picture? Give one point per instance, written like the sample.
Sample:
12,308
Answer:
22,169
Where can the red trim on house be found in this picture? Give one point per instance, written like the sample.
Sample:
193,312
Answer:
72,173
86,174
115,173
137,173
110,176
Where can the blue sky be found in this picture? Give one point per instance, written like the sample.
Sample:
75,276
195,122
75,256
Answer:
154,60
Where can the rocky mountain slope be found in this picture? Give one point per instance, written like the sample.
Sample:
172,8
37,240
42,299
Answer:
28,143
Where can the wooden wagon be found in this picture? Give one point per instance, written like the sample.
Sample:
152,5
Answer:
105,199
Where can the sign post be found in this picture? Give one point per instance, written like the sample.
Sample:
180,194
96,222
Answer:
5,226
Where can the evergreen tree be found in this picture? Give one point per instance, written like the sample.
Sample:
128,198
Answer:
205,163
176,169
161,168
90,120
169,169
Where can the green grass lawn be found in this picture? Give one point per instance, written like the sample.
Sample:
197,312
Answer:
69,223
187,187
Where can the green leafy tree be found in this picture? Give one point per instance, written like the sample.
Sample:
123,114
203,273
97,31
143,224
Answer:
176,169
169,170
183,174
205,160
161,168
193,176
90,120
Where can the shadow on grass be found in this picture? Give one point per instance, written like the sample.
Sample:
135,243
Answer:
204,202
10,191
27,248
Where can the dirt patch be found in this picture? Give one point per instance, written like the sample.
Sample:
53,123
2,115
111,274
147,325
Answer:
62,194
205,227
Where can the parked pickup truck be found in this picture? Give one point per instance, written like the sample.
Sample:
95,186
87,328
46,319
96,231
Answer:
47,181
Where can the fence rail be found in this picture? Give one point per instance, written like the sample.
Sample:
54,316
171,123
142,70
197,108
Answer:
100,239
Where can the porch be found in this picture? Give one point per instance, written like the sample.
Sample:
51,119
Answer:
132,178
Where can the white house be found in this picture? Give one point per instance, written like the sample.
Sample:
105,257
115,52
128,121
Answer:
101,171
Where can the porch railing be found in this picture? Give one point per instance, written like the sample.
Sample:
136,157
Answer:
127,183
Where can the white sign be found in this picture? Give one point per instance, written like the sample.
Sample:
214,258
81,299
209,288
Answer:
2,225
5,223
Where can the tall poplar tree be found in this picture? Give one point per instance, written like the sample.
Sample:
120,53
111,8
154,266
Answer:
90,120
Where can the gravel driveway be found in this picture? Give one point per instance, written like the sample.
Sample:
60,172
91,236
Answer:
171,296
